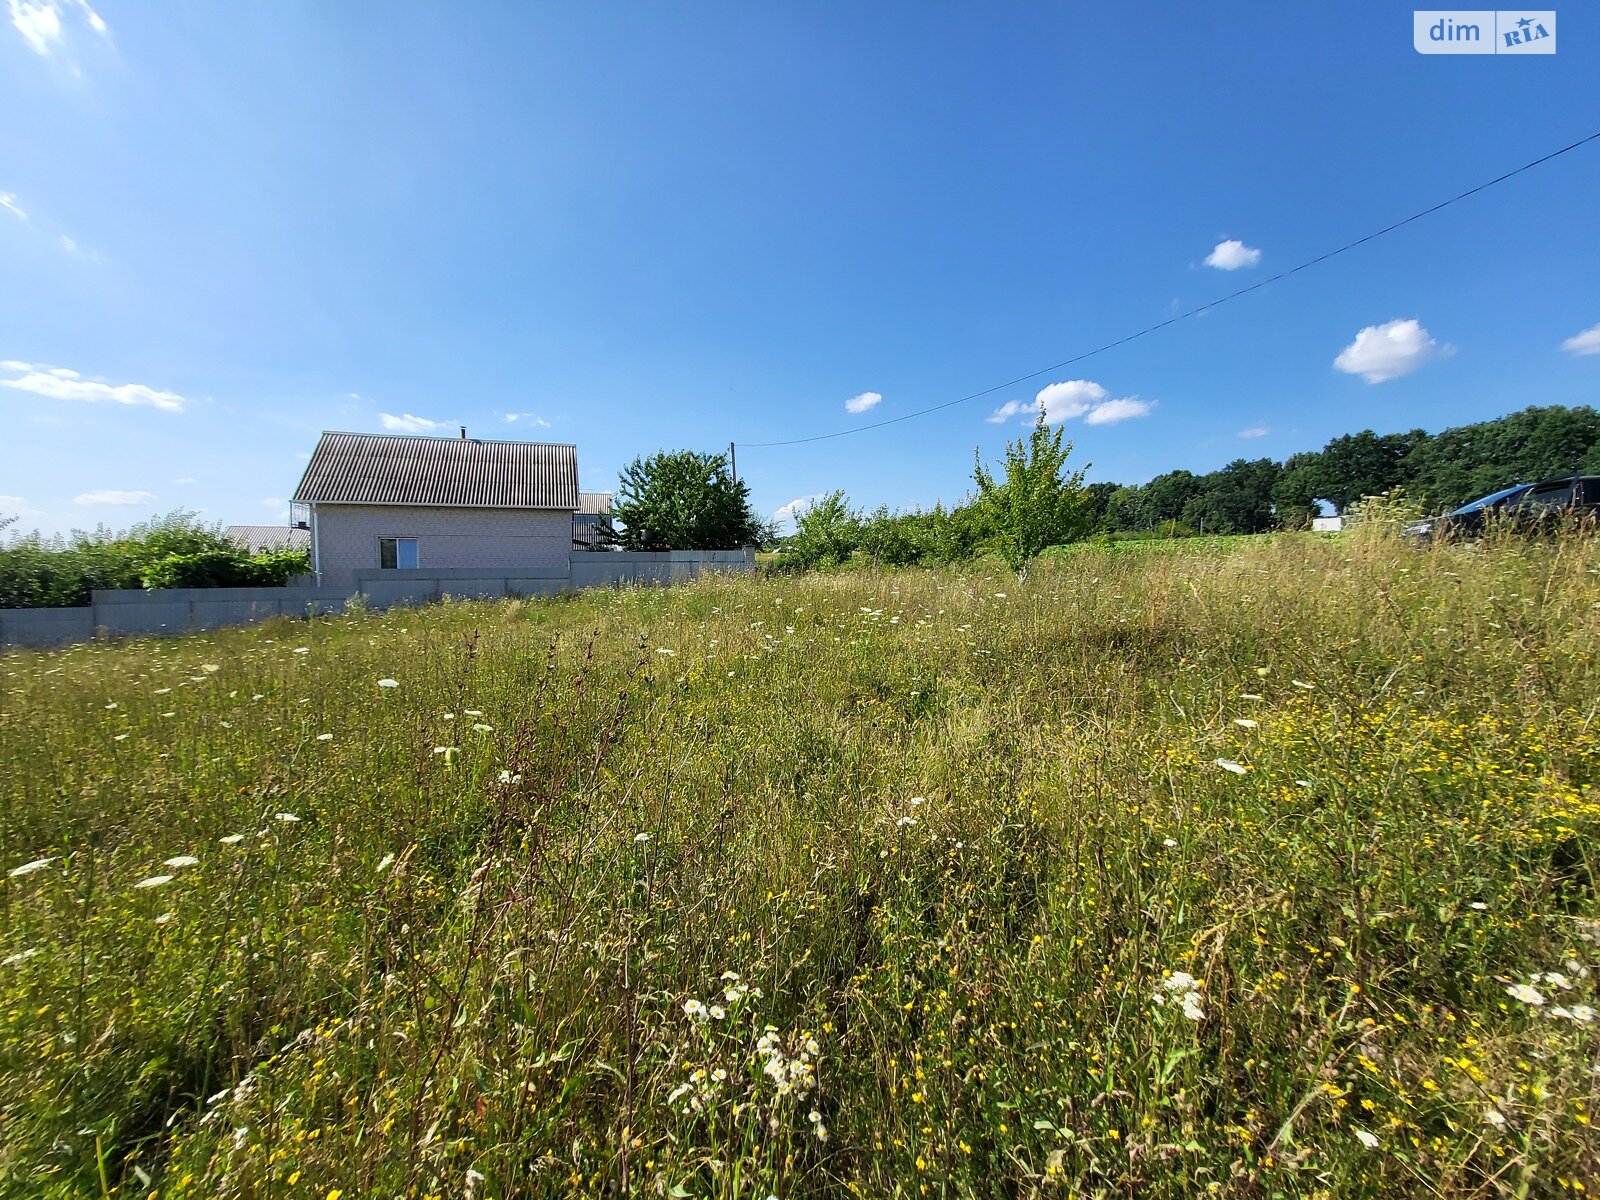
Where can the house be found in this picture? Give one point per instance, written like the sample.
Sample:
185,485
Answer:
399,502
591,524
268,539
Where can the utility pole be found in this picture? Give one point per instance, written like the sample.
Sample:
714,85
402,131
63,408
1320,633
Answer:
733,464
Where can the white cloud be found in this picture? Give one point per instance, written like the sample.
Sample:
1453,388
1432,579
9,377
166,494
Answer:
1232,255
406,423
1254,431
8,201
67,244
60,383
1112,411
1063,401
18,506
796,507
1074,398
40,22
1389,351
1587,342
530,418
863,402
186,479
113,497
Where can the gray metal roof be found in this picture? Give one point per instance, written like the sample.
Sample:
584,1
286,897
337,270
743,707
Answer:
388,468
257,538
593,504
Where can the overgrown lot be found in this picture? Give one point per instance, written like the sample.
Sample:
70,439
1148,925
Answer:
1268,870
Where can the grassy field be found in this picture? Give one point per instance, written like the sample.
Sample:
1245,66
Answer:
1264,871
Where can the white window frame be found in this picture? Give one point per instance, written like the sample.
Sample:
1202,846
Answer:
417,553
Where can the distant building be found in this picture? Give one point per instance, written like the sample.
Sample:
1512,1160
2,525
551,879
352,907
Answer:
397,502
591,524
266,539
1327,524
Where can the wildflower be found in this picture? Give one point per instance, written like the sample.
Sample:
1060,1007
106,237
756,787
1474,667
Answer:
164,918
20,956
696,1011
1495,1117
904,821
1526,993
1169,843
1479,905
480,727
324,737
1583,1013
716,1012
209,668
916,800
302,649
1370,1141
37,864
1227,764
472,712
508,778
641,837
182,860
233,839
383,864
288,818
1193,1007
668,653
1252,696
388,683
154,881
1556,980
1304,687
449,753
122,737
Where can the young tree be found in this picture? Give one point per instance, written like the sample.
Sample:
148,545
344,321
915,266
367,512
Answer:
826,533
682,500
1038,503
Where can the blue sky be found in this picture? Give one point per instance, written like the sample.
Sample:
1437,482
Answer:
224,228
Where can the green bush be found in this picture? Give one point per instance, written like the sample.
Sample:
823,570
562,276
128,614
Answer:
62,571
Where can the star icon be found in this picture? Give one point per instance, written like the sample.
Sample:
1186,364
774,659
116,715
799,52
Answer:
1525,22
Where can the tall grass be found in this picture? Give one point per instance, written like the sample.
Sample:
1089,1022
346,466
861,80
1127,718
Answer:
1264,871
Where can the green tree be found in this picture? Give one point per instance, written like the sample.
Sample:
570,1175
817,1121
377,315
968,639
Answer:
1236,499
1038,503
683,500
825,534
1468,461
1365,464
1295,490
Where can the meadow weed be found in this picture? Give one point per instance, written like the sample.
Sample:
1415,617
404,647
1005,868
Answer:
1263,868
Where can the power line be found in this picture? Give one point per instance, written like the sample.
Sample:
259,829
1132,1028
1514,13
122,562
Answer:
1184,316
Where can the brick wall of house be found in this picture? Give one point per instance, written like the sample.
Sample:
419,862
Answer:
347,536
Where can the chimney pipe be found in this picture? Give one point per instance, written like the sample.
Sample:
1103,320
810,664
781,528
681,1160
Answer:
463,433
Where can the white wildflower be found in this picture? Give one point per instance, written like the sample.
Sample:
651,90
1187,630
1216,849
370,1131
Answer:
20,956
1526,993
233,839
1227,764
288,818
165,917
668,653
388,683
1582,1012
324,737
716,1012
1193,1006
1245,722
1479,906
1370,1141
1169,843
154,881
695,1010
384,863
1495,1117
182,860
641,837
208,668
508,778
302,649
480,727
29,868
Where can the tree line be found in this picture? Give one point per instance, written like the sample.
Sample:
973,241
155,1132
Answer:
685,500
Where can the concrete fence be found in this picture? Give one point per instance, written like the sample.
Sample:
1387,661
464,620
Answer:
179,610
